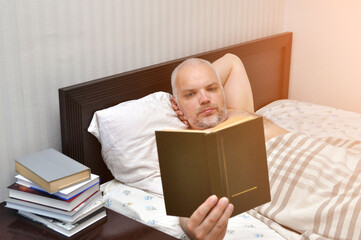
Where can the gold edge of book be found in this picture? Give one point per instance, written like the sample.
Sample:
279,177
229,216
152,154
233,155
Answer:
71,180
245,191
31,175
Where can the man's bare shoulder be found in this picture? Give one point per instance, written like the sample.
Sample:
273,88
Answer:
270,128
237,112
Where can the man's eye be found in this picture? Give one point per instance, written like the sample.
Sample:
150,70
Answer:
212,89
189,94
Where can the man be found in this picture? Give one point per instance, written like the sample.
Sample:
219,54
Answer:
206,95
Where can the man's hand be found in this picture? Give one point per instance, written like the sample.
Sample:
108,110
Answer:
209,221
179,113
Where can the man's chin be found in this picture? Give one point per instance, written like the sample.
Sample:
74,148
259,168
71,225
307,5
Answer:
208,122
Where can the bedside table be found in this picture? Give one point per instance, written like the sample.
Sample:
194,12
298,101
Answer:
114,226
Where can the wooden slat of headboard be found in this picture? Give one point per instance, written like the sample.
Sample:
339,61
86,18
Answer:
267,62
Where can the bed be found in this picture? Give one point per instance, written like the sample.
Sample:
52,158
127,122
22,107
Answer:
331,210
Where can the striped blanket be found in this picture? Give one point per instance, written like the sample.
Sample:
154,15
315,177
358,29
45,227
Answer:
315,188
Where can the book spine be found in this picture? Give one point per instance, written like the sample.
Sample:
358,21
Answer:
216,165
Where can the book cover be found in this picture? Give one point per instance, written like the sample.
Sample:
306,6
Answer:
32,195
66,193
94,202
51,170
229,160
64,228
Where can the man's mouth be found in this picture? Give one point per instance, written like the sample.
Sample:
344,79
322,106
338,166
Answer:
206,111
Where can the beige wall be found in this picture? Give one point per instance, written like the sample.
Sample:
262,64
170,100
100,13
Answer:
326,54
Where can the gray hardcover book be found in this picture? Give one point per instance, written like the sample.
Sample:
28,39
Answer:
52,170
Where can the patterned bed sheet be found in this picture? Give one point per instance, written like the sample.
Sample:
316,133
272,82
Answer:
149,209
310,119
313,120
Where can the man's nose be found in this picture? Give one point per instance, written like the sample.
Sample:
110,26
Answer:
203,98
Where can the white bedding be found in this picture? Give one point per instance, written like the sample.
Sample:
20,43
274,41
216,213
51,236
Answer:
314,120
309,119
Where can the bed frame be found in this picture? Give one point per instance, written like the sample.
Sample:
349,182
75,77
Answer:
267,62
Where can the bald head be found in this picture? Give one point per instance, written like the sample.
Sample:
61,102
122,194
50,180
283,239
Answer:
199,93
189,63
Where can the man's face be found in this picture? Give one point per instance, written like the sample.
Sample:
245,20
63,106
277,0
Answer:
200,96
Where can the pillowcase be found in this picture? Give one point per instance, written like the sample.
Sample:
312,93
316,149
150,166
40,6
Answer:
127,136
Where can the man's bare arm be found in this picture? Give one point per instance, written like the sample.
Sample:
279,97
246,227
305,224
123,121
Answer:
237,87
238,92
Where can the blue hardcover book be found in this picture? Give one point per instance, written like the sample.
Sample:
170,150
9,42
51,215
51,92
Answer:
66,193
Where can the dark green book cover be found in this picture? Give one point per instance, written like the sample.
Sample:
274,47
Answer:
229,162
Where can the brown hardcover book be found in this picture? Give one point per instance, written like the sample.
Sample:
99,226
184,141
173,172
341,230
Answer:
52,170
229,160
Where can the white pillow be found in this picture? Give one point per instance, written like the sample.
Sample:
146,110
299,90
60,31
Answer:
126,134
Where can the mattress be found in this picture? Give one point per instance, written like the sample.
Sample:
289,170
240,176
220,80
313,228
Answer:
312,120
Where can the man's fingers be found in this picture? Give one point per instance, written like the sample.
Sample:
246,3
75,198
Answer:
179,113
202,211
175,107
210,220
215,215
222,233
174,103
221,225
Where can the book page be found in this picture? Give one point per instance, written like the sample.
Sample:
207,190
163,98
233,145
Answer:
230,122
184,130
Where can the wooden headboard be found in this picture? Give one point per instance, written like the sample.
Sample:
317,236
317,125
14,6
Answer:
267,62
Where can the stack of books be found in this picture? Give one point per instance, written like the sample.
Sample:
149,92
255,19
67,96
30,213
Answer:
56,191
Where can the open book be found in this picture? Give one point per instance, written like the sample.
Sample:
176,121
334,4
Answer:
229,160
